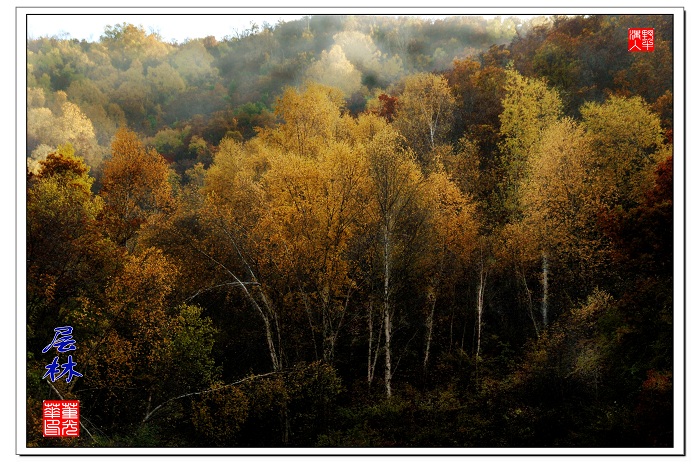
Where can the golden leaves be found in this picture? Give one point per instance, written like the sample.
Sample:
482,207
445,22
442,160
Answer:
135,186
453,216
219,414
309,119
141,289
425,112
65,124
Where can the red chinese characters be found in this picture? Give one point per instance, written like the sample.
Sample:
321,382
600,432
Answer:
640,39
61,418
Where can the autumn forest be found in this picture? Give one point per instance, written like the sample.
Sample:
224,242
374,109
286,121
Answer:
355,231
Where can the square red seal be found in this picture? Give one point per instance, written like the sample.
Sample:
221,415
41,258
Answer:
640,39
61,419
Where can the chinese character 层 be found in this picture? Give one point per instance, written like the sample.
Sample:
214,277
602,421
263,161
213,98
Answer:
62,340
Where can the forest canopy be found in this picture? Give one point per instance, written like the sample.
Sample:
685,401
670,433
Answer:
355,231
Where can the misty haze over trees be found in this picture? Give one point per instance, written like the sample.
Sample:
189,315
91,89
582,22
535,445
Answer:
356,231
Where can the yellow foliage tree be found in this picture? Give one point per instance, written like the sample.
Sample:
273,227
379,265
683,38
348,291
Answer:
398,215
424,113
315,208
68,124
334,69
135,187
453,235
309,119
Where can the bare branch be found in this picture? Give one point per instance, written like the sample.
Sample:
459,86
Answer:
227,284
63,399
206,391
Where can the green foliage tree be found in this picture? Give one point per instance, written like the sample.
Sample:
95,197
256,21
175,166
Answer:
130,43
165,82
143,352
194,62
67,257
529,107
627,139
68,263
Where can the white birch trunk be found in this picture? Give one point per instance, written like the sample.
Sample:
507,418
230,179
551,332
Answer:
387,353
373,352
387,308
545,288
429,325
529,303
480,308
483,273
276,362
270,342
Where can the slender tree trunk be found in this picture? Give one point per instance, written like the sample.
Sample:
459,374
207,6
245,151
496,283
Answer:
545,288
309,316
271,344
483,274
387,353
480,308
334,320
374,349
328,339
387,308
529,302
479,315
274,355
329,349
429,326
370,368
268,313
